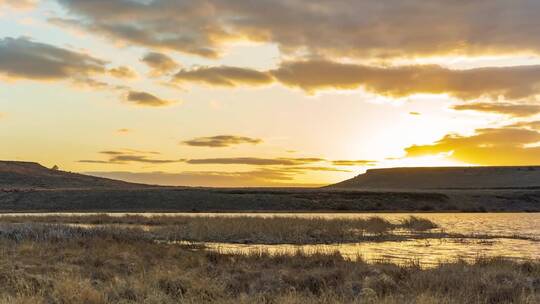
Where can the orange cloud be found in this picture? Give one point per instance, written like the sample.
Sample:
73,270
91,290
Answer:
512,109
496,146
123,72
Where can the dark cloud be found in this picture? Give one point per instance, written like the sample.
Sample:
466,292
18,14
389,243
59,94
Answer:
353,162
223,76
220,141
159,63
512,109
130,156
348,28
516,82
255,161
146,99
123,72
21,58
509,145
508,82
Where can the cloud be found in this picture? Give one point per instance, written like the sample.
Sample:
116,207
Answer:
512,109
328,169
123,72
535,125
253,178
159,63
255,161
223,76
509,145
353,162
19,4
127,156
348,28
21,58
515,82
401,81
146,99
220,141
123,131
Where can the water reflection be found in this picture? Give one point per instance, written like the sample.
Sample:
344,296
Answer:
428,252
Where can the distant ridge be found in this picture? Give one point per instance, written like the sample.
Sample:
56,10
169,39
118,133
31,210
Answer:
518,177
30,175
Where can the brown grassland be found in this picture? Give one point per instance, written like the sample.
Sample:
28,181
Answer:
58,263
53,264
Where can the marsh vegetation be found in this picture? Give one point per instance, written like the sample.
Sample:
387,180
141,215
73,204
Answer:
44,263
246,229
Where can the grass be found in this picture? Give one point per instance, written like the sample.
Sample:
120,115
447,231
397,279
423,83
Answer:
245,229
264,200
43,263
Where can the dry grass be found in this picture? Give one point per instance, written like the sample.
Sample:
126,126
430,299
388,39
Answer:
246,229
55,264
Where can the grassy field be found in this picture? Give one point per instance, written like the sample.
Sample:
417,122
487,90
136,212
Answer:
57,264
263,200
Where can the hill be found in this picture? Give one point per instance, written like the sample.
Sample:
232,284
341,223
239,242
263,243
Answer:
445,178
29,175
30,187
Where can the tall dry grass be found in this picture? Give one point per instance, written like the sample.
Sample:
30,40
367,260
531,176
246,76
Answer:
104,267
246,229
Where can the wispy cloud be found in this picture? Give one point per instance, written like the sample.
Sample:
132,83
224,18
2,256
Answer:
512,109
255,161
353,162
123,72
220,141
126,156
20,4
258,177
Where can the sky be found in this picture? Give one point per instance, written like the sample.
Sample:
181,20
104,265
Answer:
234,93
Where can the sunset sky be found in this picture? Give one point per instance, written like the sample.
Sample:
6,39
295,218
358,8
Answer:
268,93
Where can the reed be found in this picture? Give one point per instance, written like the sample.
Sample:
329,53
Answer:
249,229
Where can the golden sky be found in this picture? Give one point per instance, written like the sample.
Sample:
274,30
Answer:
267,93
